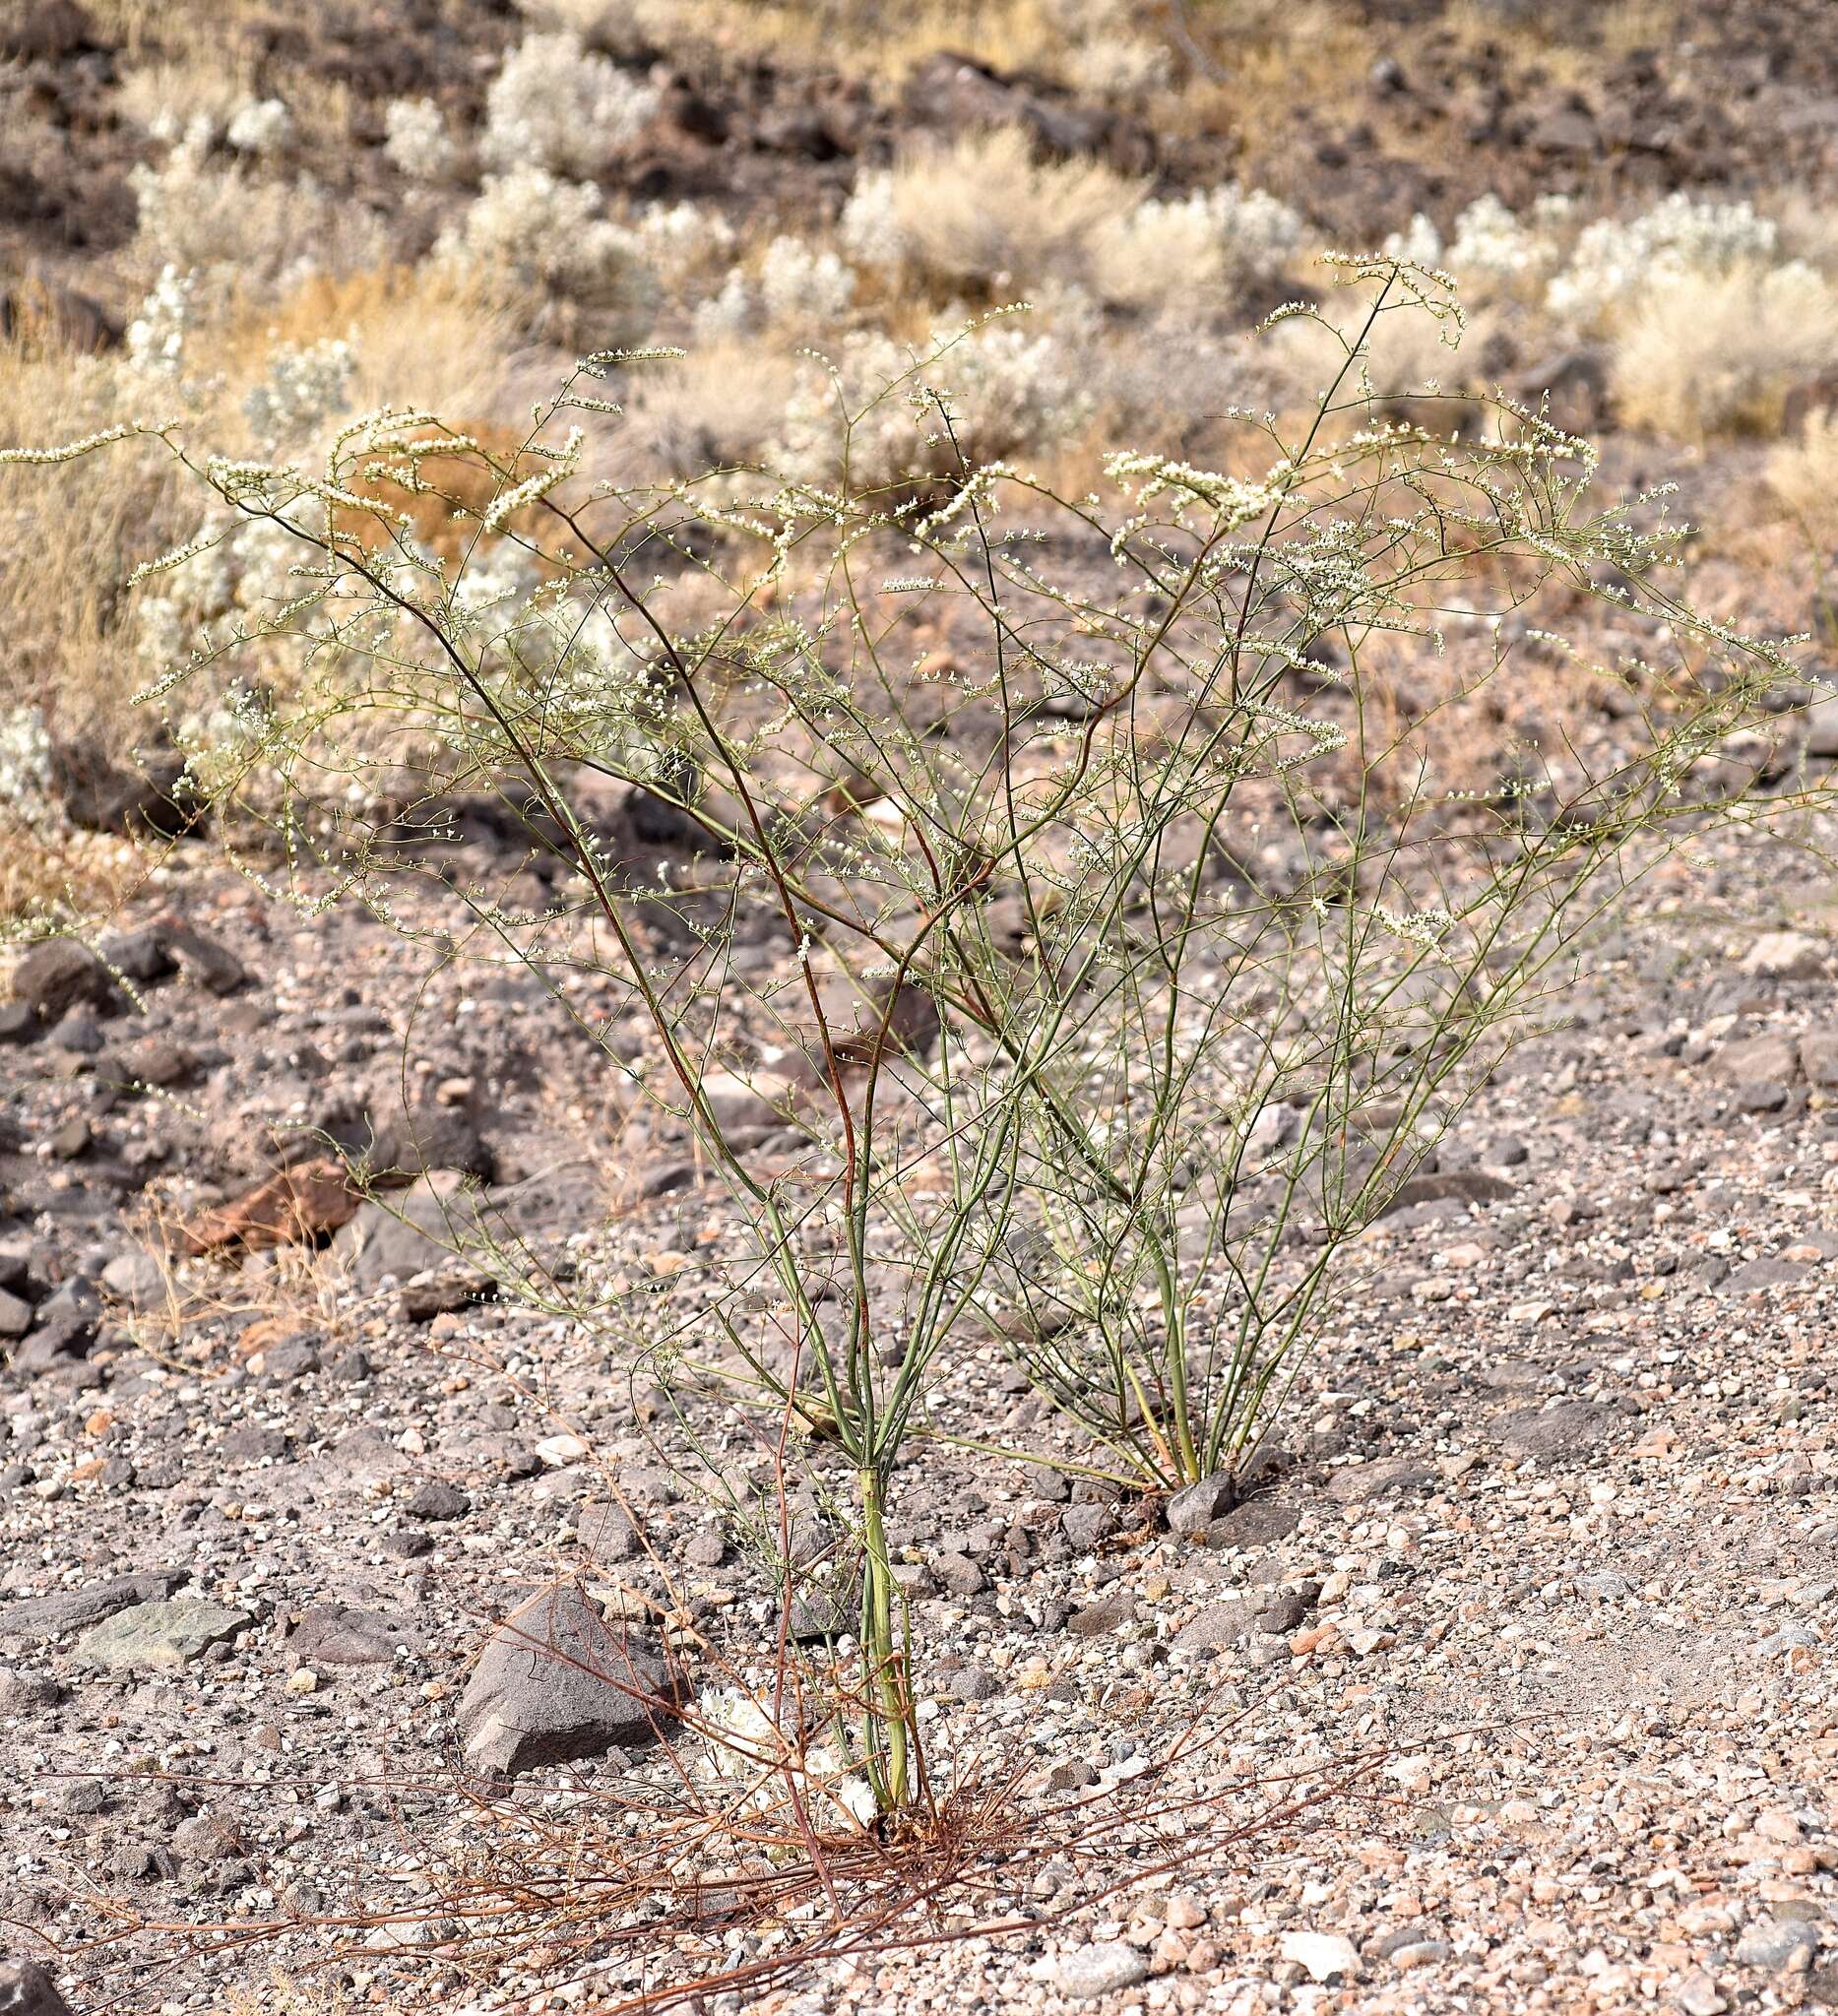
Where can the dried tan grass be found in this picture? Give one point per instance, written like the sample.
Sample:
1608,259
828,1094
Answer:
1803,475
986,216
1708,355
72,536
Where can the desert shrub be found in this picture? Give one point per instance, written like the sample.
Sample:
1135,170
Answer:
715,409
198,214
1122,957
684,242
259,126
556,106
869,422
1615,262
1161,252
532,239
1699,354
804,285
1802,475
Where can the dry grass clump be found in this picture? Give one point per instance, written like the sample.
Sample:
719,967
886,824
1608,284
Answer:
1803,475
1706,354
986,214
72,542
713,408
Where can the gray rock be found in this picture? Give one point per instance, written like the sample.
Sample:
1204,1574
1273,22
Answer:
141,956
1756,1276
15,1315
1108,1613
556,1681
60,974
437,1500
40,1618
66,1328
1218,1624
334,1634
972,1683
1361,1483
1818,1058
1086,1525
1777,1943
419,1228
26,1990
160,1637
137,1279
606,1533
1461,1186
1192,1510
959,1574
1099,1970
1549,1434
20,1693
1785,956
1254,1523
203,959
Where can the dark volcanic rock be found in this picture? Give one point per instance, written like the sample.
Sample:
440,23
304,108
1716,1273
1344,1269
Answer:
558,1681
40,1618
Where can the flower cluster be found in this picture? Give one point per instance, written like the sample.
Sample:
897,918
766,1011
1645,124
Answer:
306,384
416,140
261,126
155,338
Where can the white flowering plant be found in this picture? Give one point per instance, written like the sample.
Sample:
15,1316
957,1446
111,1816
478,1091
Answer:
1063,880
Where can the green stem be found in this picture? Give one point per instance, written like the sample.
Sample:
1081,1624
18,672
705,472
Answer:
886,1668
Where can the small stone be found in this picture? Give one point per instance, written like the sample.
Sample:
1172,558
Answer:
1777,1943
1785,956
1256,1524
1322,1956
1698,1996
437,1500
1192,1510
336,1634
1547,1434
1108,1614
972,1683
959,1574
1219,1624
303,1680
204,1838
72,1141
15,1315
59,974
137,1279
1099,1970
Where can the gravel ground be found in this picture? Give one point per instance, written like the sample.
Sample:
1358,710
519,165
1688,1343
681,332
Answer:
1552,1545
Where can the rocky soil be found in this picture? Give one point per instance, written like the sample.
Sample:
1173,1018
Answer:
1552,1544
